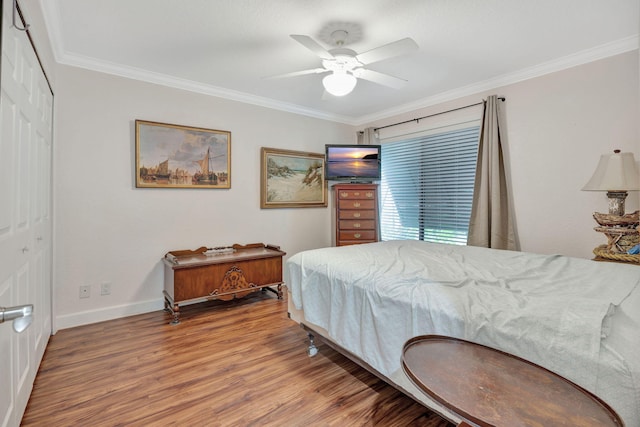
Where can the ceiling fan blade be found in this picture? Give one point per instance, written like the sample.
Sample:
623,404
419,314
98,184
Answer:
380,78
312,45
390,50
298,73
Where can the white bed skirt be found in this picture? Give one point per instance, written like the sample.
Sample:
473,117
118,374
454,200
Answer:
397,379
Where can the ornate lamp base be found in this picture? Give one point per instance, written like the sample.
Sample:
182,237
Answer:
616,202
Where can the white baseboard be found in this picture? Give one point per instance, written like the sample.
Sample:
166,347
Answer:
109,313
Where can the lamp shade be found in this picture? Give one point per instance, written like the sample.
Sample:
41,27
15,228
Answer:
615,172
339,83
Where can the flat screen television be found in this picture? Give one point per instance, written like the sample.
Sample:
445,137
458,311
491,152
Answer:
357,163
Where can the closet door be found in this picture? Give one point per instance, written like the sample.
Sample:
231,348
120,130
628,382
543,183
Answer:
26,110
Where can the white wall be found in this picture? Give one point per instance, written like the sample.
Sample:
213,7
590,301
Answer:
109,231
557,127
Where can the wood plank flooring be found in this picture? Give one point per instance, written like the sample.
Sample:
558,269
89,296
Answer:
235,363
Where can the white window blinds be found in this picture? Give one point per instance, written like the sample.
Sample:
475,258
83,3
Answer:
427,186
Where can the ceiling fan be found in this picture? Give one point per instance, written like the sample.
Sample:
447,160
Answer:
346,65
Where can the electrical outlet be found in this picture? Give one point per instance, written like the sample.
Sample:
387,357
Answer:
105,288
85,291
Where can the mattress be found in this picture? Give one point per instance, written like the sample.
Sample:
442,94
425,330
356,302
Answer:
575,317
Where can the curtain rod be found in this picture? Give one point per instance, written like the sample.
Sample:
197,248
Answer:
435,114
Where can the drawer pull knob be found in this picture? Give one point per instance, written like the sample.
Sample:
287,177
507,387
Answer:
369,194
356,214
344,194
356,225
357,235
356,204
357,193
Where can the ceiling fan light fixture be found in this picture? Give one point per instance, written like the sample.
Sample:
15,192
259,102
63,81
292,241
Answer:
339,83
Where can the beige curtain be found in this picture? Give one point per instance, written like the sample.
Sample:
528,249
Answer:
368,137
491,224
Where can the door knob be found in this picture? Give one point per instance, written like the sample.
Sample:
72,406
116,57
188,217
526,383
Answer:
22,315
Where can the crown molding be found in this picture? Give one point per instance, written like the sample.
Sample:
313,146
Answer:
52,20
192,86
583,57
599,52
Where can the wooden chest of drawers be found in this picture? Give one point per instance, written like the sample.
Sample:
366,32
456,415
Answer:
356,213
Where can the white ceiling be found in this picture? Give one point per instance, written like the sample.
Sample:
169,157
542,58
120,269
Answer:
227,47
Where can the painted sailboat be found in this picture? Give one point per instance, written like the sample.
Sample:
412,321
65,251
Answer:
153,174
206,174
163,170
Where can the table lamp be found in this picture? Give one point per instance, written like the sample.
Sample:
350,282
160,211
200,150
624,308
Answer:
616,174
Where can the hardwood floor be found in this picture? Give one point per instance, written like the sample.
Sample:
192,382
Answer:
235,363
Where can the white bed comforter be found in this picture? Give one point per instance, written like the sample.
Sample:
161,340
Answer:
559,312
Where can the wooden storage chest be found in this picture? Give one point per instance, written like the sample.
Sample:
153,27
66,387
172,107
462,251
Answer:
190,276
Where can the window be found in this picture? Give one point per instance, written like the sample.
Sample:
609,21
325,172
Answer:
427,186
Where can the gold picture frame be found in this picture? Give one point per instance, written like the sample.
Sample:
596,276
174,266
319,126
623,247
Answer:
175,156
292,179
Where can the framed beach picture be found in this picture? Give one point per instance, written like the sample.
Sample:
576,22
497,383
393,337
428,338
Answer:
292,179
173,156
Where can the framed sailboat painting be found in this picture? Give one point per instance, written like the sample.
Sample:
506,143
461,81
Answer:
173,156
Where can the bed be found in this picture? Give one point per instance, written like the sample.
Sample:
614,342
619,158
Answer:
575,317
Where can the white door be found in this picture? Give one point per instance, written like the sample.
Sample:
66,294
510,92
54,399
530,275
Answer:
26,110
